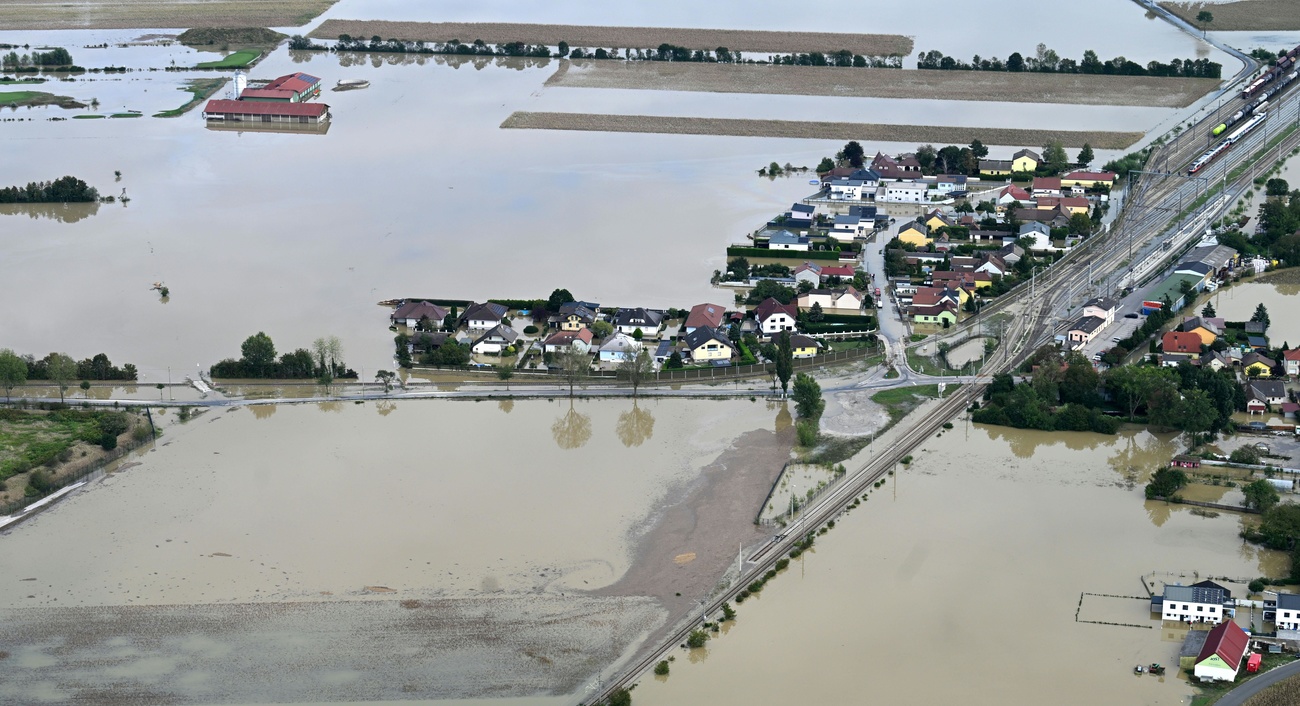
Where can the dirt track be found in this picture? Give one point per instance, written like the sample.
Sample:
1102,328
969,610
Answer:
916,134
621,37
1081,89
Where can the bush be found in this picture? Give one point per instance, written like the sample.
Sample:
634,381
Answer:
782,563
806,431
1256,586
1247,454
114,423
697,638
661,669
530,329
140,433
1165,483
40,481
109,442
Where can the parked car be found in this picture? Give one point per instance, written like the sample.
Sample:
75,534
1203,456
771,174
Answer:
1130,316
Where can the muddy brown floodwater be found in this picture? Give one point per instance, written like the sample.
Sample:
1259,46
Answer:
958,582
1238,302
397,551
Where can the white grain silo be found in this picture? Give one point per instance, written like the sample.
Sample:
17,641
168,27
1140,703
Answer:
241,82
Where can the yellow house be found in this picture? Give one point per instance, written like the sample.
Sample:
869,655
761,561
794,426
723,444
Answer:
1025,161
707,344
575,317
1088,179
995,167
917,234
1257,368
803,346
1207,336
937,220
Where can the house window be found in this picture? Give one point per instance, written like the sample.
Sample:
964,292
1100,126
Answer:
1200,608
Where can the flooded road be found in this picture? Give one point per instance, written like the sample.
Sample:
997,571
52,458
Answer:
958,582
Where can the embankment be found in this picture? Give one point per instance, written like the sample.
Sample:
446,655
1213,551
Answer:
1079,89
917,134
621,37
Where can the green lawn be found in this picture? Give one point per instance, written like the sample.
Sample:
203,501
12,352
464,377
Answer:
899,401
16,97
200,89
127,115
232,61
86,117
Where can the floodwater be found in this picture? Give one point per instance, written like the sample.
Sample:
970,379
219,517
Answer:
958,581
1238,302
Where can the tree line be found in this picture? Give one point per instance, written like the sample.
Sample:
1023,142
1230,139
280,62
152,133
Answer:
1046,60
954,159
58,56
323,362
1279,232
60,369
62,190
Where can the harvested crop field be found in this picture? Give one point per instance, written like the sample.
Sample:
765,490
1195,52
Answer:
621,37
134,14
1284,693
360,650
1241,15
918,134
1081,89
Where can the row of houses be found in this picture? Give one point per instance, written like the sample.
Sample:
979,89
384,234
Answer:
1219,654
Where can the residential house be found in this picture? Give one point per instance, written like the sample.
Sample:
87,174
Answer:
1173,360
842,300
1073,204
1214,360
1262,394
1084,330
995,167
1256,328
903,286
1025,161
1101,307
1180,342
927,260
1203,327
800,215
951,183
410,313
954,279
1225,648
618,348
1257,343
1056,217
495,341
915,233
705,315
935,305
1046,186
848,226
1185,461
575,316
1199,603
903,168
961,262
983,279
809,272
1039,233
847,189
774,317
936,219
1011,253
707,345
1088,180
484,316
665,351
785,240
426,341
560,341
291,88
905,192
1291,361
1288,612
1012,194
629,321
802,346
1256,363
844,272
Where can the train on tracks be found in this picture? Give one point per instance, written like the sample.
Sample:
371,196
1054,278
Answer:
1226,143
1257,106
1280,68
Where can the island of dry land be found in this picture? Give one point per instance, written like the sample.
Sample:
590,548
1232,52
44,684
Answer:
917,134
621,37
1240,15
133,14
1082,89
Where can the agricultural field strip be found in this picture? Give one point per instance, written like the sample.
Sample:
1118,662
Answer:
140,14
620,37
919,134
1078,89
1271,15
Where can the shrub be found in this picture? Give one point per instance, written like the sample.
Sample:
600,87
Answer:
530,329
1256,586
697,638
662,668
947,425
40,481
140,433
728,613
781,564
184,414
907,460
109,442
756,587
114,423
1247,454
806,431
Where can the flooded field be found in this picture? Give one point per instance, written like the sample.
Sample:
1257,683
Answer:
1238,302
251,528
973,559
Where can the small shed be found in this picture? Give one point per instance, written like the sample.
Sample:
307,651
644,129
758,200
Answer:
1253,662
1185,461
1191,649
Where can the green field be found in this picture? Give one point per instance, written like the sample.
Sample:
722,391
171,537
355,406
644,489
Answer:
200,89
86,117
127,115
232,61
20,97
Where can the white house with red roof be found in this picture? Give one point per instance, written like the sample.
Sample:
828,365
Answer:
774,317
702,315
1046,186
1221,657
1011,194
1291,361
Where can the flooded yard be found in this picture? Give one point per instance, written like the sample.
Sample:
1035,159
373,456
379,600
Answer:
1279,296
971,562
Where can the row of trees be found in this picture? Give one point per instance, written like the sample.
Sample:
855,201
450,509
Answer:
1046,60
1279,233
65,189
58,368
57,56
323,362
953,159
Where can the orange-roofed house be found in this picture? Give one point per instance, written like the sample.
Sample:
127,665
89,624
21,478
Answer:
1180,342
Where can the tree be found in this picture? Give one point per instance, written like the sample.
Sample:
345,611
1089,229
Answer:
1080,224
1205,17
1085,155
387,378
1055,158
636,369
926,155
816,313
504,373
1261,315
978,149
825,165
808,402
853,153
574,366
602,329
1245,455
1277,187
637,335
1015,62
13,371
259,352
1196,413
1165,482
1135,385
329,353
61,370
674,361
1208,311
1260,495
784,361
770,288
1079,382
85,388
697,638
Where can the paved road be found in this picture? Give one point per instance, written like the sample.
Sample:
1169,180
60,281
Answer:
1242,694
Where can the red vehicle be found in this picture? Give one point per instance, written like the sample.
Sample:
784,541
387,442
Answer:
877,292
